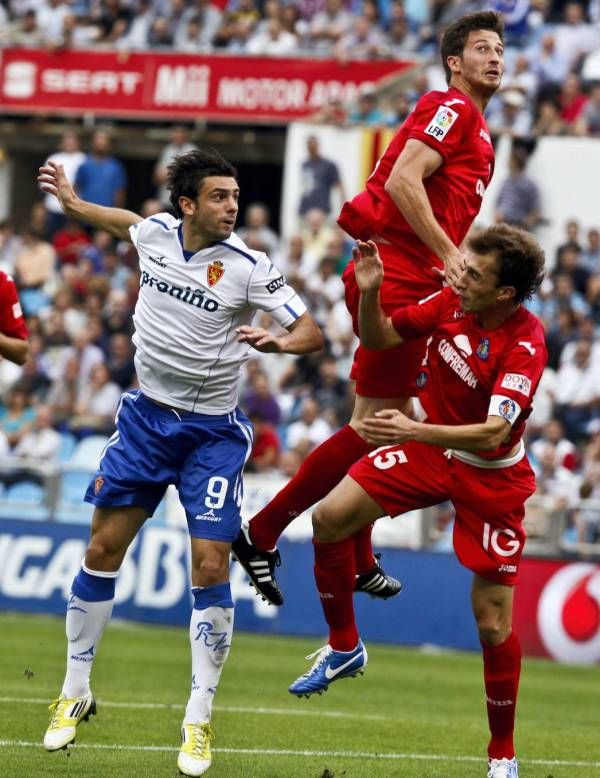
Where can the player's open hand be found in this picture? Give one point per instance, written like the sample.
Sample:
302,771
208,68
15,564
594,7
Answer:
368,267
260,339
52,179
454,266
387,427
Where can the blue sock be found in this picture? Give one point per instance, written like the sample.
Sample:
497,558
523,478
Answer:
94,587
206,596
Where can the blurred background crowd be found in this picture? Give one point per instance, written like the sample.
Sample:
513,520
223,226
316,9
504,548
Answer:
78,287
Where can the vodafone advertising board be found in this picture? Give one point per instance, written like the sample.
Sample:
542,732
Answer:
185,86
557,610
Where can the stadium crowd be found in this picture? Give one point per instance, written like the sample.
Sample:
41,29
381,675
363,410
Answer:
78,288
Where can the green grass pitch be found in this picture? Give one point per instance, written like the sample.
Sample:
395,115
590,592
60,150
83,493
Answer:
413,714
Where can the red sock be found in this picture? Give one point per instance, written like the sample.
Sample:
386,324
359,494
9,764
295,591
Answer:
334,575
501,671
363,549
323,469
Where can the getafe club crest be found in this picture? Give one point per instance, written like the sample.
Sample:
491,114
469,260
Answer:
483,349
215,272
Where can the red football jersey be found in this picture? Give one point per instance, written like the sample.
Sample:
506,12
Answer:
469,373
12,322
450,123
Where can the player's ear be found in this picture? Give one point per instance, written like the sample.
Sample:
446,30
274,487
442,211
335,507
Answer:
187,206
454,63
507,293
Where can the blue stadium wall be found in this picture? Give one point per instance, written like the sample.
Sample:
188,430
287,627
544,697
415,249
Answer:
38,562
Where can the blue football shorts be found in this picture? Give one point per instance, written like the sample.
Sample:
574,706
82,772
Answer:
201,454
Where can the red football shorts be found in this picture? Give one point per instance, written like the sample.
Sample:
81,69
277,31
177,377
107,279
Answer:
488,533
391,372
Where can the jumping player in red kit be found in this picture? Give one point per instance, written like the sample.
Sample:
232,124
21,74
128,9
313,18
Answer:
13,330
485,356
418,206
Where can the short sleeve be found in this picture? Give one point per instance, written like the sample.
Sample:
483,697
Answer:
12,321
517,380
269,291
414,321
441,122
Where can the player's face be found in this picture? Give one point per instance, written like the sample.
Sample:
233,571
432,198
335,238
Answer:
482,61
478,286
215,209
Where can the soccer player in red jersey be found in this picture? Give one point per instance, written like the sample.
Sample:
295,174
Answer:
418,206
485,356
13,330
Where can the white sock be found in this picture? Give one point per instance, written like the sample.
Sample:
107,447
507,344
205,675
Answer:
85,623
211,630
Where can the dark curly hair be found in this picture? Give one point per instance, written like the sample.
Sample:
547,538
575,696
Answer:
520,257
187,172
456,34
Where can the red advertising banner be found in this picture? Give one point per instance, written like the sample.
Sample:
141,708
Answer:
150,85
557,610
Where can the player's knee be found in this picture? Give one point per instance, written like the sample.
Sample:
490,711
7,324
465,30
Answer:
104,554
209,570
492,631
325,527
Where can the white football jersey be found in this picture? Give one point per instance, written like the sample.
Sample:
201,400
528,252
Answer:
187,350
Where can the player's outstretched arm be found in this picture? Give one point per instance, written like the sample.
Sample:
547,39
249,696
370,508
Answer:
302,337
117,221
376,329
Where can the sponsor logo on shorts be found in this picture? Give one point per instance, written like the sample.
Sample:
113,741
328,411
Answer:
507,569
275,284
517,382
208,516
440,124
98,483
503,542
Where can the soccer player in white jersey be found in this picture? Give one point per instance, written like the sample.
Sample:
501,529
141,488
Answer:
199,289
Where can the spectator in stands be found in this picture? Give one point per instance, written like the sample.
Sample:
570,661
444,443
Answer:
10,244
549,66
560,331
16,415
50,16
69,241
326,27
310,430
136,37
587,517
160,34
364,41
86,354
259,399
565,450
324,288
120,360
117,312
400,42
590,256
190,39
553,481
295,261
572,100
256,221
367,111
588,122
36,373
70,157
320,177
518,201
331,392
96,404
101,179
568,262
548,121
272,41
316,232
578,391
34,270
572,237
179,143
23,33
513,117
400,110
289,462
332,112
237,24
574,36
41,442
265,446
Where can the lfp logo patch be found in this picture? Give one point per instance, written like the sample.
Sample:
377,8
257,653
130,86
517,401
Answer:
441,122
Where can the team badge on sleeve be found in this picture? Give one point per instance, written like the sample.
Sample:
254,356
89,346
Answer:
98,483
517,382
441,122
507,409
215,272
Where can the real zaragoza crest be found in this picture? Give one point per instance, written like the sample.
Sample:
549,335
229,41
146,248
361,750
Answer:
215,272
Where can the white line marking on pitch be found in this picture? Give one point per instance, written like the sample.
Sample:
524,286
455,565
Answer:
292,752
334,714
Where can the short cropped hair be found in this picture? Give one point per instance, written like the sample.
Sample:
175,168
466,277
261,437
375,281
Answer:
186,174
520,257
456,34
